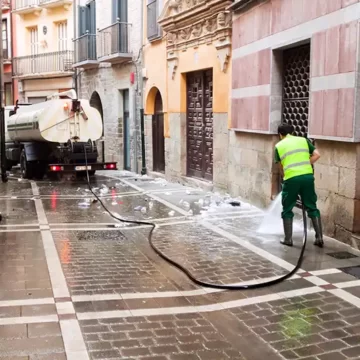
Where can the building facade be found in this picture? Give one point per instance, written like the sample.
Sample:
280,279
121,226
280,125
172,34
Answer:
7,51
108,56
43,49
187,51
298,64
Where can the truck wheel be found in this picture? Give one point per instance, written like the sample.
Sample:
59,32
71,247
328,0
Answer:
25,167
40,171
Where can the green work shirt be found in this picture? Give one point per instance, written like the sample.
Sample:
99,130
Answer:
311,151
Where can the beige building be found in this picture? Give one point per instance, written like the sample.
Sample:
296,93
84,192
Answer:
43,49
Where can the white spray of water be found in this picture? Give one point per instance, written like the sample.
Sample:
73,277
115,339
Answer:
272,222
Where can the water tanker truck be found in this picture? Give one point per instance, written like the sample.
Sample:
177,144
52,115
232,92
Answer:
52,137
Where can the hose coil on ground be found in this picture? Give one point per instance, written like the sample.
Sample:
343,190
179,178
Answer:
186,271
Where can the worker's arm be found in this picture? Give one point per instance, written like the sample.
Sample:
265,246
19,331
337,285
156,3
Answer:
314,157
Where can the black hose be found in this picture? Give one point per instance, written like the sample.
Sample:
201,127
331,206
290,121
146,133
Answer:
186,271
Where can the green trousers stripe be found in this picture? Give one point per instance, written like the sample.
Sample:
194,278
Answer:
303,185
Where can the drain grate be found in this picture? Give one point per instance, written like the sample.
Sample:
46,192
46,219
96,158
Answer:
342,255
352,270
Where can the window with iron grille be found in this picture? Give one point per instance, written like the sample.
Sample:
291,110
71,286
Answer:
153,28
6,54
296,83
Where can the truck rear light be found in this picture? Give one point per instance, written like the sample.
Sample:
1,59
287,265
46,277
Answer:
110,166
55,168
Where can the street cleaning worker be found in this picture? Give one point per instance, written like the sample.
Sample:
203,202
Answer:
296,156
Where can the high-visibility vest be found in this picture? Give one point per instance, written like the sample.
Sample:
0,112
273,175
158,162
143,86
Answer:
295,157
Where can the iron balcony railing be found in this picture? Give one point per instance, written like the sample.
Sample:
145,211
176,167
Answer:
22,4
54,62
85,48
114,39
153,28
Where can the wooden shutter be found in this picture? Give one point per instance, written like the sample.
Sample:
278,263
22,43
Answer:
119,11
92,17
82,20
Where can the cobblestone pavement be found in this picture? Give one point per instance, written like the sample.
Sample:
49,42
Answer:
77,285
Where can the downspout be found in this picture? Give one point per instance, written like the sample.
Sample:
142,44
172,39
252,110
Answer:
141,77
12,53
75,35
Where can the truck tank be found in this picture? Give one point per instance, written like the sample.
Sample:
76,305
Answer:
54,121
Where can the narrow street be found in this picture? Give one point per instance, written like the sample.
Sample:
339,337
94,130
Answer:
77,285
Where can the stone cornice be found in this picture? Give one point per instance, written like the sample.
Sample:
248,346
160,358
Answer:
190,23
180,13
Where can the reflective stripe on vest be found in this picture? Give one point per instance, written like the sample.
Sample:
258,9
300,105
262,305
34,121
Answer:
295,157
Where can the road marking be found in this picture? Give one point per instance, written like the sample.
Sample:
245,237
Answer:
200,308
74,344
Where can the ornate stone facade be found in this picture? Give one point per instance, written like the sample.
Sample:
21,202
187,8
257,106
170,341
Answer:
191,23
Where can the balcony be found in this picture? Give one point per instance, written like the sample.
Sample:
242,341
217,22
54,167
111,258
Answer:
49,4
114,43
54,64
85,52
153,28
23,7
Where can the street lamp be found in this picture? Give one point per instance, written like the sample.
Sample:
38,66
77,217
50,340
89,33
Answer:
2,109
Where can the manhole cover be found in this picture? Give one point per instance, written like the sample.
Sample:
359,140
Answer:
342,255
352,270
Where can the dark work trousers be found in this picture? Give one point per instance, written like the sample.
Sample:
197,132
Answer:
304,186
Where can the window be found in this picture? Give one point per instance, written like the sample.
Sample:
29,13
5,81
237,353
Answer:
34,41
119,11
153,29
62,36
6,54
87,18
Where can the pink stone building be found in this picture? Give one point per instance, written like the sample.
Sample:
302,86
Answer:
298,61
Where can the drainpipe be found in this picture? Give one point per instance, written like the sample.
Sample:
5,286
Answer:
76,70
142,90
2,111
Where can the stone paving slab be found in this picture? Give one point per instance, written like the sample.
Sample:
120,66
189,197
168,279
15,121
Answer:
32,341
314,259
110,265
24,273
212,258
18,212
15,188
178,337
80,187
317,325
70,211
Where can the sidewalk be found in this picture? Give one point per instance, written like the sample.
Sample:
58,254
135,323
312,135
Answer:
77,285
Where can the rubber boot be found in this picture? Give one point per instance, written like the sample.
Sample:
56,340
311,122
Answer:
319,241
288,230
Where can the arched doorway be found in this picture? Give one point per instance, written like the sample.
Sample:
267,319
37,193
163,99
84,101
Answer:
96,103
158,135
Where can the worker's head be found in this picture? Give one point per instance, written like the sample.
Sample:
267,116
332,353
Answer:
284,130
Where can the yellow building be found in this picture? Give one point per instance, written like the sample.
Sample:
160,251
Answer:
187,70
43,50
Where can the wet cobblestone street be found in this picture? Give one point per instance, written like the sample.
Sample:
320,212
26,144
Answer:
77,285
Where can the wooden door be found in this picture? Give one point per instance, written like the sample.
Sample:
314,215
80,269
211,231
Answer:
158,135
199,124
